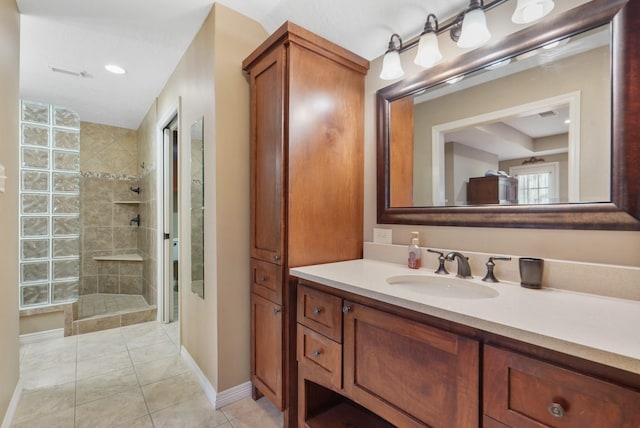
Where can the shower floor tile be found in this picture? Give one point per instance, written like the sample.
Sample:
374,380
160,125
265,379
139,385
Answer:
92,305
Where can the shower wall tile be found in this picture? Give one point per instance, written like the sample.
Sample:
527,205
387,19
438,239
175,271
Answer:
130,284
131,268
97,239
108,268
108,284
108,149
125,237
89,284
95,189
122,190
97,214
123,213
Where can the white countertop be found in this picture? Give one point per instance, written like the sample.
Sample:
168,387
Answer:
600,329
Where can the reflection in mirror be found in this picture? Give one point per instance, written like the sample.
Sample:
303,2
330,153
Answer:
197,208
532,129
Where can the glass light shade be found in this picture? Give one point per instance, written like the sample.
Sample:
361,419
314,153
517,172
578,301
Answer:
391,67
474,30
428,51
531,10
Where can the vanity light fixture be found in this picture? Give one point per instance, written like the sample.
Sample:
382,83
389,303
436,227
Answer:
428,50
115,69
473,29
391,66
468,29
531,10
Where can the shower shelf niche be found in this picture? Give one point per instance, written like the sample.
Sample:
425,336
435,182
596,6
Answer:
126,202
120,258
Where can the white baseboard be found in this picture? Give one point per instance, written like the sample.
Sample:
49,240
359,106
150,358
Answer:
234,394
13,405
216,399
209,390
41,335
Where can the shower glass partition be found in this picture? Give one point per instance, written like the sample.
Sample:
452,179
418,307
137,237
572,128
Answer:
49,204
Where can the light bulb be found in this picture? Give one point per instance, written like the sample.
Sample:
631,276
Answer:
428,50
474,30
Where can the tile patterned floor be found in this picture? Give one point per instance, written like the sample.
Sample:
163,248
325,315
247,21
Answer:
126,377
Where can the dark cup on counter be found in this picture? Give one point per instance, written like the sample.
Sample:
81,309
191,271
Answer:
531,272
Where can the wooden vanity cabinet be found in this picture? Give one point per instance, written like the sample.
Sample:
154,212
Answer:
523,392
306,152
405,373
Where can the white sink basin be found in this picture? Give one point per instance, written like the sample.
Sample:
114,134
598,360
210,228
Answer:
436,286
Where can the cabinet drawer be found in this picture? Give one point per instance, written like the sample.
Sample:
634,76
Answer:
321,356
524,392
266,280
321,312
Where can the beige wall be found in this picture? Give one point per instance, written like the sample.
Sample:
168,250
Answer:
9,116
209,82
587,246
37,323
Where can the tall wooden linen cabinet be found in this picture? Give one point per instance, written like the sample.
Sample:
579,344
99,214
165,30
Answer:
307,118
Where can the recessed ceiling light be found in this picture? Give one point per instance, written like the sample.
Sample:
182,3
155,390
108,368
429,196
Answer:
567,121
115,69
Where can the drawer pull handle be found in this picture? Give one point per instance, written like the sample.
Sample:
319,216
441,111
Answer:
276,258
556,410
276,311
346,309
263,278
317,353
316,311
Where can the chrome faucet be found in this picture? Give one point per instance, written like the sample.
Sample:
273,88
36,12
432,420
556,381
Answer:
464,270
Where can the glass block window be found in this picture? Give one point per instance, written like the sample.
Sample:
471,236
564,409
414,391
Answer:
49,204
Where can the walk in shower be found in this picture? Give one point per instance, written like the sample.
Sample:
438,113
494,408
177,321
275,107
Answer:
83,212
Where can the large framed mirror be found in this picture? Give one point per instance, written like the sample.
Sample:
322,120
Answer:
537,130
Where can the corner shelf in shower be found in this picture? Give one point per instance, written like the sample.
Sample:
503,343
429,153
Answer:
120,258
126,202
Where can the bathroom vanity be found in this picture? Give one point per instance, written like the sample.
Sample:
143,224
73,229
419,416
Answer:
378,352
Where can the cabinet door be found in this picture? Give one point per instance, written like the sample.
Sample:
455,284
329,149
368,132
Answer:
266,348
267,122
524,392
409,373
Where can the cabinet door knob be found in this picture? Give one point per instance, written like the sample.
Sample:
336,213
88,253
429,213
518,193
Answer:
276,258
263,278
346,309
276,311
316,311
556,410
317,353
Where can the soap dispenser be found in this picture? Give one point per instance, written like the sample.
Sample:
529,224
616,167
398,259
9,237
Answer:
414,251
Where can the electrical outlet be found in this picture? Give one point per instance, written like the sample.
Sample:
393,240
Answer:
381,236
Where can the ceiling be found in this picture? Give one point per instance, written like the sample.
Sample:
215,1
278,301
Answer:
148,38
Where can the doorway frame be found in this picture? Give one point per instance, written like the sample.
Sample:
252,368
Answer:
163,265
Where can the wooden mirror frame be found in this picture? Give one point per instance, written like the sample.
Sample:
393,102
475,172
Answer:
623,212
